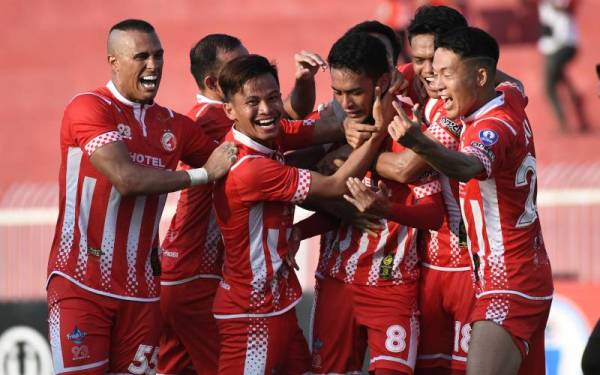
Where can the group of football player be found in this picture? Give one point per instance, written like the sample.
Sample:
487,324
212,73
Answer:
422,177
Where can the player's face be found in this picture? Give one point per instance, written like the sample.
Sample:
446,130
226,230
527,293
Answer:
257,109
137,65
456,82
422,47
354,93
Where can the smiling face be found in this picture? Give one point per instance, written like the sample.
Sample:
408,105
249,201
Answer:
257,109
136,60
457,82
422,46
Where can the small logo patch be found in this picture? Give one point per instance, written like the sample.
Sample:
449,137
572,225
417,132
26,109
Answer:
168,141
95,252
80,352
76,336
124,130
385,270
488,137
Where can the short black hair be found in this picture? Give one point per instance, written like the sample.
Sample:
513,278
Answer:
471,43
203,55
376,27
430,19
242,69
361,53
133,25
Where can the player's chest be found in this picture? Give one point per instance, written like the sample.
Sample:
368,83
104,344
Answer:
151,137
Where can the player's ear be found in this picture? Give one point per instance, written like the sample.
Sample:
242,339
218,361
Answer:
112,60
384,82
483,76
229,111
211,83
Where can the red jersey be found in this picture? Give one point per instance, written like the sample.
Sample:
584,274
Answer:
499,206
255,210
192,247
446,247
390,258
105,242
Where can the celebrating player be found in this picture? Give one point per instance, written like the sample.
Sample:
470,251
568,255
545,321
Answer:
496,164
255,302
192,252
119,152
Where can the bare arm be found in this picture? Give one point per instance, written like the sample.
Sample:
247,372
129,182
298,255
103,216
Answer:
302,98
453,164
113,161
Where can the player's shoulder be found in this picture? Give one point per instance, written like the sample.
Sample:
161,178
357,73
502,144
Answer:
87,100
407,70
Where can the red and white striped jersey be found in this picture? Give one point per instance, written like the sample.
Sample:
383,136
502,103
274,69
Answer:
499,206
390,258
255,210
193,247
446,248
105,242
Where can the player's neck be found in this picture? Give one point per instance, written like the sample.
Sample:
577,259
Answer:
211,94
486,95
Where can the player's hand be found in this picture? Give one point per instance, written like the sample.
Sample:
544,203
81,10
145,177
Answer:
383,107
366,200
367,223
403,129
357,134
221,159
293,247
308,64
334,160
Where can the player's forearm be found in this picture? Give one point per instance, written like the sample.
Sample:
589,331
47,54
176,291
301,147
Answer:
138,180
453,164
427,213
302,99
315,224
306,158
337,208
357,164
403,167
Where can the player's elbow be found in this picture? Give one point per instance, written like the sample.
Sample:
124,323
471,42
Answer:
127,183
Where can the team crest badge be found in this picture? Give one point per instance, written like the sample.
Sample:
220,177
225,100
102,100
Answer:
488,137
168,141
76,336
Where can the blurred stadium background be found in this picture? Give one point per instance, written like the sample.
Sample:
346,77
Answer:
53,49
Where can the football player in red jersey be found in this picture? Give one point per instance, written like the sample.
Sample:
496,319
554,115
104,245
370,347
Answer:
497,169
254,305
192,251
119,152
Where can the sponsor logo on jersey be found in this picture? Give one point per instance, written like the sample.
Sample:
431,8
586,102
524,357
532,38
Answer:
452,127
168,141
148,160
125,131
94,252
385,269
490,154
488,137
76,336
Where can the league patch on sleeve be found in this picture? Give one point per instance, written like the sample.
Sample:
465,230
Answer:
488,137
483,148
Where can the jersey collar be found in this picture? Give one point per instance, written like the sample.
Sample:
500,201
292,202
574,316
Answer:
250,143
204,99
494,103
113,90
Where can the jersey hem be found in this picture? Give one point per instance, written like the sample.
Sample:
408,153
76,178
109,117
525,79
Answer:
445,269
265,315
96,291
517,293
188,279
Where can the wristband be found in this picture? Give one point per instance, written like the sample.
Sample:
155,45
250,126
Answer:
198,176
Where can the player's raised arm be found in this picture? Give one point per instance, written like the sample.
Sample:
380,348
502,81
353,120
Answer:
302,98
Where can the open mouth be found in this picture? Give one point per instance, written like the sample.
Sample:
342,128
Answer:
149,82
448,101
267,123
429,83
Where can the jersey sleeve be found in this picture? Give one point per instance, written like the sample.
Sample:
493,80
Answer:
214,122
297,134
426,187
91,122
489,140
197,146
260,179
444,136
